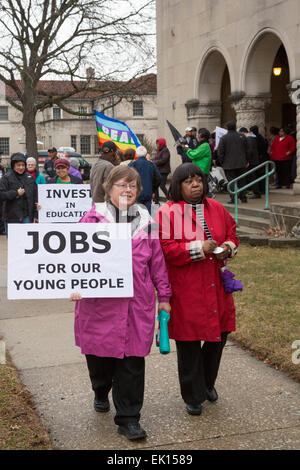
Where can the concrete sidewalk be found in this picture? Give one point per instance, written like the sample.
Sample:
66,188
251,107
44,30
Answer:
258,407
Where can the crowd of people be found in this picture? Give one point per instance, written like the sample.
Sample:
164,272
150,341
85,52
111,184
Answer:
240,151
178,257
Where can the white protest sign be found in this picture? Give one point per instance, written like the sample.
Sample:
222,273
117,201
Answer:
219,133
50,261
63,202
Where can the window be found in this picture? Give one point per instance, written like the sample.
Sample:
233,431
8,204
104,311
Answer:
84,110
138,108
4,145
74,142
96,145
85,144
141,138
3,113
56,113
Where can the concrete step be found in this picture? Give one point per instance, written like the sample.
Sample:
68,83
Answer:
248,211
253,222
243,230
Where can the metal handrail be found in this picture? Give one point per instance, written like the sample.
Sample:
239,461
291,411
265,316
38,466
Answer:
237,190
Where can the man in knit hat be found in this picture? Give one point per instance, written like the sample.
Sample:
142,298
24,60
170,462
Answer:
101,170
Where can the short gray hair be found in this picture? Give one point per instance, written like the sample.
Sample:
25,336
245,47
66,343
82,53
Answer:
31,160
74,162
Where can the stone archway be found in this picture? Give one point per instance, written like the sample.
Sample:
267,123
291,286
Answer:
261,102
212,88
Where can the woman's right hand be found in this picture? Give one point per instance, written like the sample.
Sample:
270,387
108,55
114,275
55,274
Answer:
209,246
21,191
74,297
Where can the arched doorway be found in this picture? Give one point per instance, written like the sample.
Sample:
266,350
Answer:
266,102
281,112
213,89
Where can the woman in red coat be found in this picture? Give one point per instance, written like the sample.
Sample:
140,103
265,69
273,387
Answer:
191,228
282,151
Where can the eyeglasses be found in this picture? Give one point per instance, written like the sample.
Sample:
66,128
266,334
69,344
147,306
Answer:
122,186
190,181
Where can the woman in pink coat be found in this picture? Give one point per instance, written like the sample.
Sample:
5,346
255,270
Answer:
192,226
116,334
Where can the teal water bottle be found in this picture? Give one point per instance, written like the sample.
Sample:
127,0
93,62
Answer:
162,340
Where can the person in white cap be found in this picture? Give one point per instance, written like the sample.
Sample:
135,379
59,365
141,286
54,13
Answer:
191,143
149,174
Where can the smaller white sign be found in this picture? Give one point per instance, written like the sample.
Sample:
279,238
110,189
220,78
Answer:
50,261
219,133
63,202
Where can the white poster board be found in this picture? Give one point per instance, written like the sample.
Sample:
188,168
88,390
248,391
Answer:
219,133
50,261
63,202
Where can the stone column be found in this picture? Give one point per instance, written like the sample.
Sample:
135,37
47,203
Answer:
296,185
204,114
250,110
294,94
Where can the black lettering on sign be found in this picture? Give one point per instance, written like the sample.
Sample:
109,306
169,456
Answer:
105,243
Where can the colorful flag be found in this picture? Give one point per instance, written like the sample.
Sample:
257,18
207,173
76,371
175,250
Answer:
116,131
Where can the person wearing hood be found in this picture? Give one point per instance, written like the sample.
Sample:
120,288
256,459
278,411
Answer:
33,171
19,192
162,161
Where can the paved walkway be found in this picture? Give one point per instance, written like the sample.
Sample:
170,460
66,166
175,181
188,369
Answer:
258,407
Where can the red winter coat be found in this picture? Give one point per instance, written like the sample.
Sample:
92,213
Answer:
201,309
279,148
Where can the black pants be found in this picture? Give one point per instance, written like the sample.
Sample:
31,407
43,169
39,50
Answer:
164,177
231,175
253,176
126,378
283,169
198,367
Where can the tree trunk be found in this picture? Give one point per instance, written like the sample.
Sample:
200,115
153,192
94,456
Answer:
29,122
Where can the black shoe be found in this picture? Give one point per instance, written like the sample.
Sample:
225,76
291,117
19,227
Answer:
211,394
101,406
244,201
230,202
194,409
132,431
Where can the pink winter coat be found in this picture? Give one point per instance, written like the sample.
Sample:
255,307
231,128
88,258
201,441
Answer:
114,327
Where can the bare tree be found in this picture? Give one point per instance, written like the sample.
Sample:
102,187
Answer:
42,38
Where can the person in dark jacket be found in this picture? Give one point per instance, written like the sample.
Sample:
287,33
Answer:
233,156
62,166
190,141
49,170
253,161
162,161
263,156
149,174
18,190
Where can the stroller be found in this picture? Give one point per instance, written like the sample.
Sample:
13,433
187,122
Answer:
217,179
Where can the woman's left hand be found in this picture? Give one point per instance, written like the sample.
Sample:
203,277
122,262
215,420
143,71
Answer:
225,252
164,306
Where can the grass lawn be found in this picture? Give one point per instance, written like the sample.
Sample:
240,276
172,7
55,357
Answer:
268,309
20,427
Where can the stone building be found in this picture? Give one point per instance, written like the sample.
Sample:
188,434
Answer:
56,127
228,60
